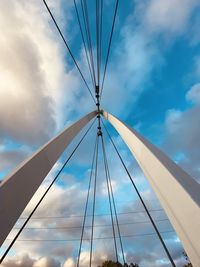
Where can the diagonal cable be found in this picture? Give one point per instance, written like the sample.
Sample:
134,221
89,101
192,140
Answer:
97,39
109,198
109,46
86,204
113,201
45,193
94,201
88,34
83,39
140,197
88,40
100,37
69,50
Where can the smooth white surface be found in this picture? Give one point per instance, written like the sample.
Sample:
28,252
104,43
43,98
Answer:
17,189
177,191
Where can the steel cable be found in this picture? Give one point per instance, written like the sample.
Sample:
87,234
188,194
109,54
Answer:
109,46
140,197
69,50
109,198
94,201
113,200
86,204
84,44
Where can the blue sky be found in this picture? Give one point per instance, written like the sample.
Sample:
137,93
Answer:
152,83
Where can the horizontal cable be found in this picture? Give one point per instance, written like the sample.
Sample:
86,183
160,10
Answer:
88,226
98,215
88,239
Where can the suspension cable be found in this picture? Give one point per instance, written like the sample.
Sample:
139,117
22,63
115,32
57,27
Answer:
88,226
97,39
109,198
109,46
103,214
100,37
83,39
140,197
113,201
86,204
69,50
88,40
45,193
87,29
94,200
95,238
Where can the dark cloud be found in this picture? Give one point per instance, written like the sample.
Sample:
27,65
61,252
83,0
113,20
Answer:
25,107
182,134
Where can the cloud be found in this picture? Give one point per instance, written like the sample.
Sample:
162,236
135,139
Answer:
169,16
183,131
24,260
46,262
24,101
69,263
193,94
19,261
60,202
38,89
140,54
136,58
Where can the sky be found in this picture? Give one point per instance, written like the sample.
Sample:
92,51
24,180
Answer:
152,83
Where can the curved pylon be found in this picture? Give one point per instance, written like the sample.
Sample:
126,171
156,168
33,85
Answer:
17,189
177,191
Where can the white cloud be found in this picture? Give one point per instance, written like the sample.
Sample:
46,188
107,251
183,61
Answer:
46,262
169,16
104,189
37,88
24,260
61,202
135,59
193,94
69,263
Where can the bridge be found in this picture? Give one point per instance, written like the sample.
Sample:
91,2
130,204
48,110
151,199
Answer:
177,191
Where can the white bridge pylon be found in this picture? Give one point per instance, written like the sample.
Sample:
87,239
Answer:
17,189
178,192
